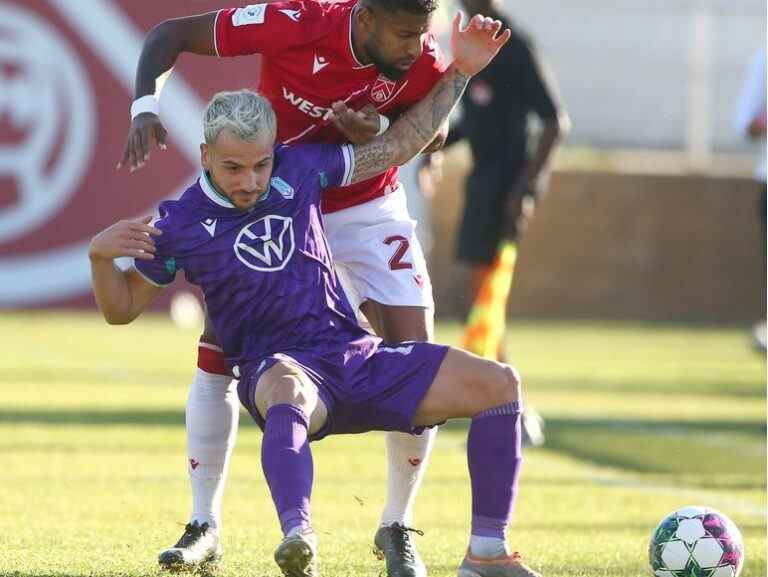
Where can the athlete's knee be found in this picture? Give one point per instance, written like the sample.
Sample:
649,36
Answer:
514,384
290,390
506,385
286,389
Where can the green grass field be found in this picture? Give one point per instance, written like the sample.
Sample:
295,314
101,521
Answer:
641,419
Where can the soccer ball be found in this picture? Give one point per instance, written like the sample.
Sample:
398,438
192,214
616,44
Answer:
696,542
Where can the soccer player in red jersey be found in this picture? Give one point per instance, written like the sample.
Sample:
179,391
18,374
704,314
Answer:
377,58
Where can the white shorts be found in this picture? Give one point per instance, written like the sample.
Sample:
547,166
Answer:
377,254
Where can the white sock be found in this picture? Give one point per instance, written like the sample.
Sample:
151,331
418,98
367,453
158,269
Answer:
212,418
488,547
407,456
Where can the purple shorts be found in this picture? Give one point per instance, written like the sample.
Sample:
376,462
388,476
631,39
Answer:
365,387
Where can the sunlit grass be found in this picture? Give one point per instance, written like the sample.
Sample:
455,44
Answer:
641,419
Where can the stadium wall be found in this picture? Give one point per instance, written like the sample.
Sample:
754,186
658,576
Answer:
653,74
622,244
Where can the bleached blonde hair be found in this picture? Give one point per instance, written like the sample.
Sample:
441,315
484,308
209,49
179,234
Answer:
244,113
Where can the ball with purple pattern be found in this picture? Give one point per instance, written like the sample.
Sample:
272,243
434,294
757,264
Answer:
696,542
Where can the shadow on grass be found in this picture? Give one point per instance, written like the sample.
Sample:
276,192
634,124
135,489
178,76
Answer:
68,417
180,376
756,428
97,377
213,572
707,454
536,564
209,571
659,427
699,453
76,574
743,482
617,527
754,390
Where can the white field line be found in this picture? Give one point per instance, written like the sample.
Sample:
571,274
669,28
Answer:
693,496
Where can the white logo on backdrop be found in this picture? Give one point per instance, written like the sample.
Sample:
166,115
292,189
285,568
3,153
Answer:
46,104
42,60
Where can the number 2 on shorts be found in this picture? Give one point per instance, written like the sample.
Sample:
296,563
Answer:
397,262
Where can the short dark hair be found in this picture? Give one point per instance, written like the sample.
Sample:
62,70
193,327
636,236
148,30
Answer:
410,6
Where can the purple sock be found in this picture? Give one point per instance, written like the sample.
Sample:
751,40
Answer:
287,463
494,455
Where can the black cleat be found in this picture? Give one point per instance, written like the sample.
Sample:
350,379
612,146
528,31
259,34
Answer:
297,555
394,544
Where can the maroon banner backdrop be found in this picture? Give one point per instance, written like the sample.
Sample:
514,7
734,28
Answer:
66,84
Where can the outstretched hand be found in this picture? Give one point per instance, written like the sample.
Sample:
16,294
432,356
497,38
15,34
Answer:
125,238
476,45
144,129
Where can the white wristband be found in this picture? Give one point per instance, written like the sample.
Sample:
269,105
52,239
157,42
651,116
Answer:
383,124
144,104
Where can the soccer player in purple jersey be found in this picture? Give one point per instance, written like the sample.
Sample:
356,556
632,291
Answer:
249,232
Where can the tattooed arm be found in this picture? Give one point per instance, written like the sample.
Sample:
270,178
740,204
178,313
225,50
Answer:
413,131
473,48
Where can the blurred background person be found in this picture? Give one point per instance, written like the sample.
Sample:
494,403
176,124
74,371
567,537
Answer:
751,123
508,174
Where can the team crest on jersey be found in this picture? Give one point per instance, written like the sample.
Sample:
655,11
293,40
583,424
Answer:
266,244
285,189
382,89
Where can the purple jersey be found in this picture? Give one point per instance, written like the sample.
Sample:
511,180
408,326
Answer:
267,274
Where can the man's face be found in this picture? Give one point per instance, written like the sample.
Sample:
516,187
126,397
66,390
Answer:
240,169
394,40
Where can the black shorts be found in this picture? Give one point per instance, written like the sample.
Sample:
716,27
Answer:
483,222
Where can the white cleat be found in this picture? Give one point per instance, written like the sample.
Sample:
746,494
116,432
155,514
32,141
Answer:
198,546
297,554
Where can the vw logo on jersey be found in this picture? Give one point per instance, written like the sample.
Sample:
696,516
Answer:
267,244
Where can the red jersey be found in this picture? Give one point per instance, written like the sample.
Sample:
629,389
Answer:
308,63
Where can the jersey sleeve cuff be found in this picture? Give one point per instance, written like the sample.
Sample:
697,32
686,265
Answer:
349,164
216,34
148,279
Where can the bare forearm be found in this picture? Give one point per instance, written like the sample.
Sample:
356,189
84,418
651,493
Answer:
438,141
413,131
166,41
757,128
112,292
158,55
550,136
543,151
